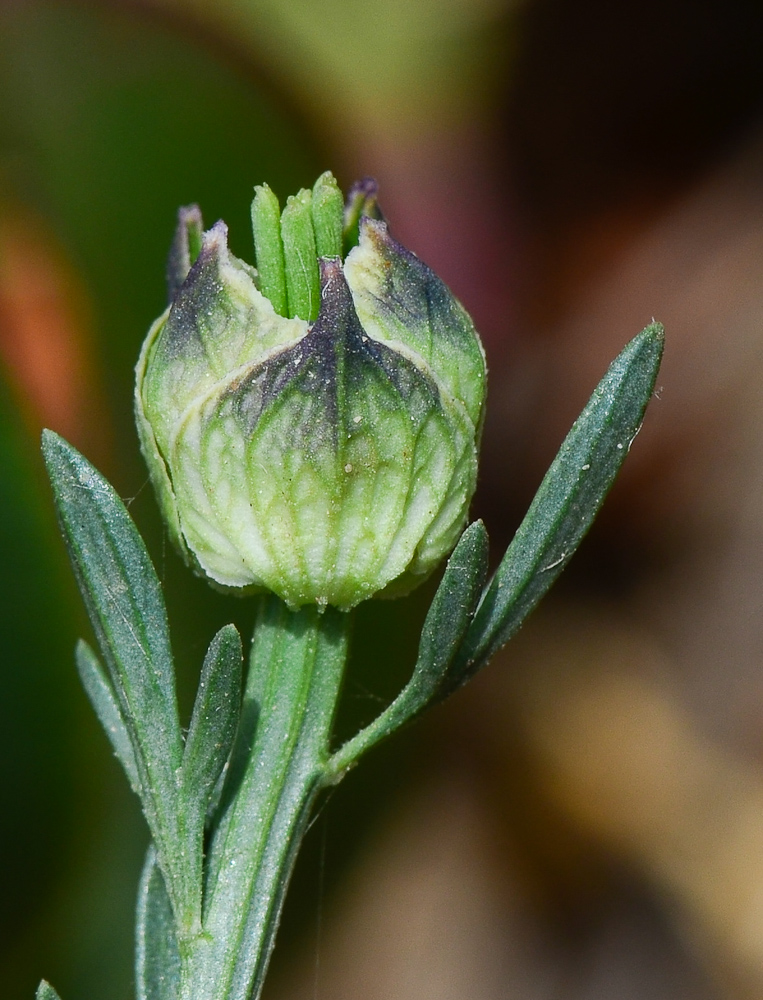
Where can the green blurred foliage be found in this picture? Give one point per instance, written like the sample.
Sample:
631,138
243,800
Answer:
108,121
40,750
389,65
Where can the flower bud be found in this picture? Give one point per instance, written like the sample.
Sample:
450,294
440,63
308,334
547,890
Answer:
311,426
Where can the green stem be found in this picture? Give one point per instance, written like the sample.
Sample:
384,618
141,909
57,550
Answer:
296,669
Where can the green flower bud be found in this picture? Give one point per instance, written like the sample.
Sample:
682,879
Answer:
311,426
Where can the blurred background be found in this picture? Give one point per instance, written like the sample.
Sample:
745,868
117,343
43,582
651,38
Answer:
585,821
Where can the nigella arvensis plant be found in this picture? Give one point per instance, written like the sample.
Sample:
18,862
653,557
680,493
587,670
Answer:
311,424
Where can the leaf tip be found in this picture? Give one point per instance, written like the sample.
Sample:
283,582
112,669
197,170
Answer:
49,441
652,336
46,992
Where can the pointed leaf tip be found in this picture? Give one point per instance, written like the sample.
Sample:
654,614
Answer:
46,992
567,500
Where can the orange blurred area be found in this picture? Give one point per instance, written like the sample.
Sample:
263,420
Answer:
46,333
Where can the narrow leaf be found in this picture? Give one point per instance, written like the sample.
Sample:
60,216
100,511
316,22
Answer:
101,695
451,611
46,992
126,608
214,722
567,501
157,958
447,621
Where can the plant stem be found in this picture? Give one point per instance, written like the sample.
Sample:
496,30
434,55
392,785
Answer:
296,668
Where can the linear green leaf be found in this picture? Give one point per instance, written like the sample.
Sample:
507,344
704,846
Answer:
101,694
447,621
213,724
567,501
126,608
157,958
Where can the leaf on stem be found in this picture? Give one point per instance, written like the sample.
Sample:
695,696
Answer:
447,621
157,958
213,724
126,608
567,501
101,694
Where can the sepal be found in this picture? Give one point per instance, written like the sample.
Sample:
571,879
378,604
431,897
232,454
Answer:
401,302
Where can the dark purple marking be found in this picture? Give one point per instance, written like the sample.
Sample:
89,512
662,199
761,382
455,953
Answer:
333,361
197,297
412,293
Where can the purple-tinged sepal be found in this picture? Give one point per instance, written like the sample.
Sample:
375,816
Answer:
401,302
217,321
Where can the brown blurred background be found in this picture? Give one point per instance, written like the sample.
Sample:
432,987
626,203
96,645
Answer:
585,821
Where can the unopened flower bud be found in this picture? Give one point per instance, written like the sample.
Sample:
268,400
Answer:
311,426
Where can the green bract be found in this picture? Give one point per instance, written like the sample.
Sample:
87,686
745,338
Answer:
311,426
